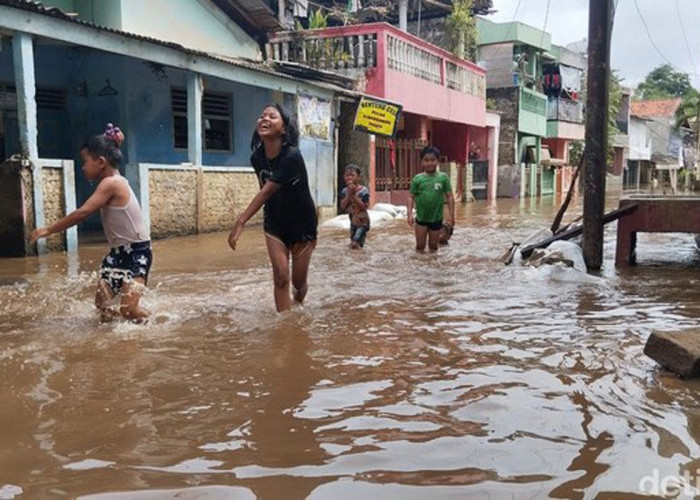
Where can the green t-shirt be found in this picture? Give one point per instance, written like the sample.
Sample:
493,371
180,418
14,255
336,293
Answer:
429,191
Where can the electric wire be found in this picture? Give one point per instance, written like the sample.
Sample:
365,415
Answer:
687,44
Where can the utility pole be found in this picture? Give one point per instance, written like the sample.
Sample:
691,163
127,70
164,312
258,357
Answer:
600,13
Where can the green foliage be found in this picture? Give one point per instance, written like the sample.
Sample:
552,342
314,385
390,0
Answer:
318,20
575,152
491,103
321,52
614,103
662,83
461,30
687,113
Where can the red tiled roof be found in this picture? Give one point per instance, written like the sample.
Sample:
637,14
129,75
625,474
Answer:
655,108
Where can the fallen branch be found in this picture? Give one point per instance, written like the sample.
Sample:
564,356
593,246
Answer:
575,231
567,200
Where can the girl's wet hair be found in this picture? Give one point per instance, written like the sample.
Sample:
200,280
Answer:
106,145
430,150
291,132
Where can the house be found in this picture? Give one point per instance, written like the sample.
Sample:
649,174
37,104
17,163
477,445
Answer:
186,85
638,171
658,118
513,55
443,99
537,86
562,76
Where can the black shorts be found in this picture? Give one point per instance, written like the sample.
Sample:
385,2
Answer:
125,263
290,237
432,226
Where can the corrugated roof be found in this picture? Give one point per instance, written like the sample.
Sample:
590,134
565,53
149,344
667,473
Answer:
38,8
655,108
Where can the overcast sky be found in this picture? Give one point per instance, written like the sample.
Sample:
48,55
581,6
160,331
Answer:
633,53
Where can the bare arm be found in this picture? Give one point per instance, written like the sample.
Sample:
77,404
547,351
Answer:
409,209
102,196
451,207
346,200
268,189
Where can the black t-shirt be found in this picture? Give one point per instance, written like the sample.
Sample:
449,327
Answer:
290,213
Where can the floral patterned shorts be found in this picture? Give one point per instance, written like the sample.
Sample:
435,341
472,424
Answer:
124,264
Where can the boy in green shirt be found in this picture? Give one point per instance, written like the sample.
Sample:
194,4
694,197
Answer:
428,193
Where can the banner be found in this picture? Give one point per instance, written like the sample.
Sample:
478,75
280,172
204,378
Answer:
314,118
377,117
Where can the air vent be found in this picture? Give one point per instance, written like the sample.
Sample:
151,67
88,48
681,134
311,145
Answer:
216,105
179,100
45,98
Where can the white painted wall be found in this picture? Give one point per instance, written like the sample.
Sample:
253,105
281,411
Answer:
194,24
640,140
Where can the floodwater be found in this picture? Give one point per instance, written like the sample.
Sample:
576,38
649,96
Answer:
404,376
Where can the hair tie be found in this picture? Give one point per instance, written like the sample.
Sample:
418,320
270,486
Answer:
115,134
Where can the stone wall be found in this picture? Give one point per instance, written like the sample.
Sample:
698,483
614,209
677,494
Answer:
432,31
506,101
225,196
17,212
191,201
173,202
54,206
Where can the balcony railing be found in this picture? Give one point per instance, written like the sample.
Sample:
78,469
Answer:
533,102
349,48
565,110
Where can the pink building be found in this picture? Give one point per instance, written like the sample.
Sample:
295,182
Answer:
443,99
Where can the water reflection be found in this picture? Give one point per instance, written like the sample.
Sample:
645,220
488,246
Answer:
405,375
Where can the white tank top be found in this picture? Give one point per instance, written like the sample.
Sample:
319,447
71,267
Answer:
124,225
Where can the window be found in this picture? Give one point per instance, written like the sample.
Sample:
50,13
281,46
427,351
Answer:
217,125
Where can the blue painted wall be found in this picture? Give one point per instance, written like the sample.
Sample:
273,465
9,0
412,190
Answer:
142,107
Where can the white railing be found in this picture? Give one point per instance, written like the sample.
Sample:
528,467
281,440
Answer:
337,52
468,82
412,60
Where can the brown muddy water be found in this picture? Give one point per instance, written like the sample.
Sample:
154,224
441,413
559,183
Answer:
404,376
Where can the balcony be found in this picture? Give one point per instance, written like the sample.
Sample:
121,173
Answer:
566,110
394,65
565,119
532,118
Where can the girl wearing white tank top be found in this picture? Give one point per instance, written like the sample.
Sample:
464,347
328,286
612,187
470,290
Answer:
126,267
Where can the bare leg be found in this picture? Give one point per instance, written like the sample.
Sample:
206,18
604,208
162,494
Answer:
103,298
279,258
433,238
300,269
131,295
421,236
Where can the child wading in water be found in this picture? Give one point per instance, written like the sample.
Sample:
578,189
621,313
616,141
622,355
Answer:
428,193
125,268
290,214
354,198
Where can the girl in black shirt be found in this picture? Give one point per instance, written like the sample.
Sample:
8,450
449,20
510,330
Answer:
290,214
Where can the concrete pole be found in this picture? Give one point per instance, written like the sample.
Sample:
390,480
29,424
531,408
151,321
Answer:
403,15
23,58
23,53
599,29
194,119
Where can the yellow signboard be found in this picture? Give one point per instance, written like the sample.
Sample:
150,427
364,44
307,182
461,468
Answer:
377,117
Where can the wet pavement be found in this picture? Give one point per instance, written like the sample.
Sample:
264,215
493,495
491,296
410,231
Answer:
404,376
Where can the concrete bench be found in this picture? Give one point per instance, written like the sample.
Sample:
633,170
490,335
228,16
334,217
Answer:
654,214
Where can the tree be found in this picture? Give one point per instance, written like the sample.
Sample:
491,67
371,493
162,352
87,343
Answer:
689,110
461,29
662,83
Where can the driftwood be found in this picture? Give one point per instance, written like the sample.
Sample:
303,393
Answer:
575,231
567,200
